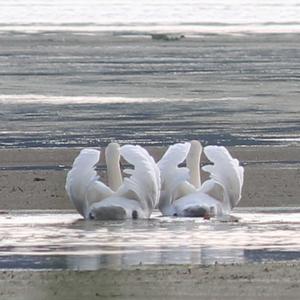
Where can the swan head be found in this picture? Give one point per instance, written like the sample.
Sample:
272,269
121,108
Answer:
116,208
195,211
112,213
107,213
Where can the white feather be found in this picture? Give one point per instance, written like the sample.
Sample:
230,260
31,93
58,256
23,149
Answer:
144,181
173,178
82,183
174,156
226,172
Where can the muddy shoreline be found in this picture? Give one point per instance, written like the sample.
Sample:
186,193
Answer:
35,178
250,281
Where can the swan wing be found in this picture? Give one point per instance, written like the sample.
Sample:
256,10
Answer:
143,185
174,179
82,184
174,156
226,174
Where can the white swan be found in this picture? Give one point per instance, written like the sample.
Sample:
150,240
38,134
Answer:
135,197
182,193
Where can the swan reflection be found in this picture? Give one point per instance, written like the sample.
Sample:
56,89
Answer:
180,255
62,241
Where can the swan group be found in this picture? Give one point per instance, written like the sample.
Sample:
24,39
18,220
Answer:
174,189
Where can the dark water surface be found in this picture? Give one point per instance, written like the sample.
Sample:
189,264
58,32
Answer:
63,89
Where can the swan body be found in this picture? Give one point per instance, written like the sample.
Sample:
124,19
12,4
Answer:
182,193
134,197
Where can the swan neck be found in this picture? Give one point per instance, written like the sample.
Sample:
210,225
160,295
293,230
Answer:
114,175
193,164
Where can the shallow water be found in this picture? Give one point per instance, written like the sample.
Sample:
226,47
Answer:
61,240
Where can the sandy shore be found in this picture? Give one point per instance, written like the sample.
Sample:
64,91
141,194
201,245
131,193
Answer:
250,281
35,178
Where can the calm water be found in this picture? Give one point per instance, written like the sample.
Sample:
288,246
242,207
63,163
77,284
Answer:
70,90
230,122
73,74
47,240
179,15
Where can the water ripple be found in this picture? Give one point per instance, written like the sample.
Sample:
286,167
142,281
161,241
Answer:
63,240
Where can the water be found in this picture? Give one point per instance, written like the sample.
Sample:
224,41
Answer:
90,90
180,15
228,122
61,240
78,75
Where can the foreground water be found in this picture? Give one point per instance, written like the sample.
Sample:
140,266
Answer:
61,240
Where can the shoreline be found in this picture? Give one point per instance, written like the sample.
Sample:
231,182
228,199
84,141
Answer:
148,30
35,178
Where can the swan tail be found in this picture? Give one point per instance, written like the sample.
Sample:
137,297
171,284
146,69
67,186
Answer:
144,180
82,185
227,177
173,178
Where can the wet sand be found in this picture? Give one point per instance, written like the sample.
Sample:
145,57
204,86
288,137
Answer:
250,281
35,178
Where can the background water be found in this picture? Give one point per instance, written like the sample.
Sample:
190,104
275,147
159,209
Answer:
225,15
73,74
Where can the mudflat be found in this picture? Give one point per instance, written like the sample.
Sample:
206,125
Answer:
249,281
35,178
